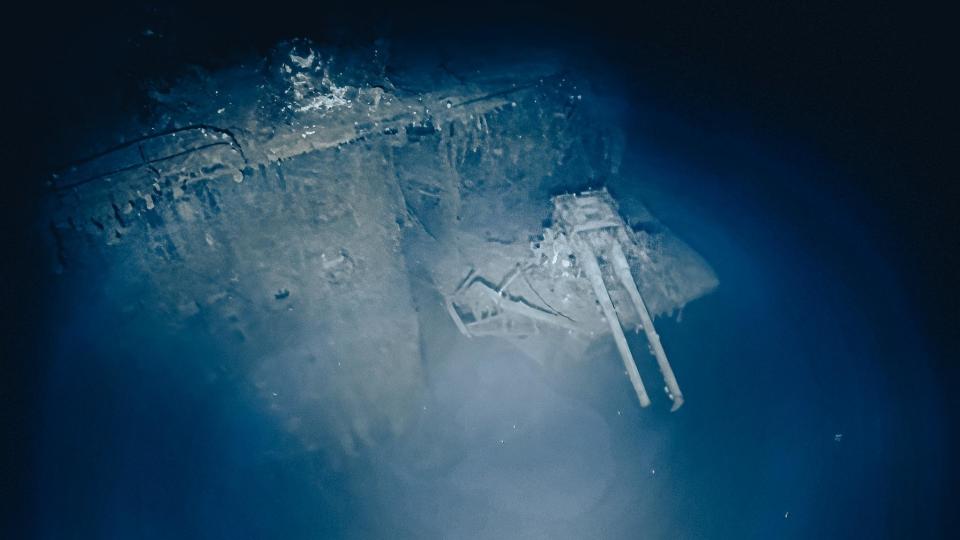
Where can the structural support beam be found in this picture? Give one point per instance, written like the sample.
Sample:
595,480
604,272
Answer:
588,260
622,268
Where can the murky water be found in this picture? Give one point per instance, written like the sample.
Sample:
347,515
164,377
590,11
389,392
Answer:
801,420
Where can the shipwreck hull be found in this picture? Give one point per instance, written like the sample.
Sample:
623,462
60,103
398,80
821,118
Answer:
290,210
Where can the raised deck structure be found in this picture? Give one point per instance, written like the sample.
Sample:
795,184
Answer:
587,242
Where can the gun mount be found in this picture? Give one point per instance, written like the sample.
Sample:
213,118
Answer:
580,264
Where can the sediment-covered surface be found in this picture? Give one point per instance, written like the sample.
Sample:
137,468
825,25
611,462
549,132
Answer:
283,208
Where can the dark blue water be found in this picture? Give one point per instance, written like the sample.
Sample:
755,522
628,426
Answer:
810,408
811,412
815,413
135,441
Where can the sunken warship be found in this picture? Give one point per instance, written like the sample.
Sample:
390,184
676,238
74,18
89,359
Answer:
314,211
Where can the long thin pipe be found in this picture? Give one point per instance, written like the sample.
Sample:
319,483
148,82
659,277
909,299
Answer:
622,268
589,261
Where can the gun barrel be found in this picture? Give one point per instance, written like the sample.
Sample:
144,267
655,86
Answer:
622,268
589,261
